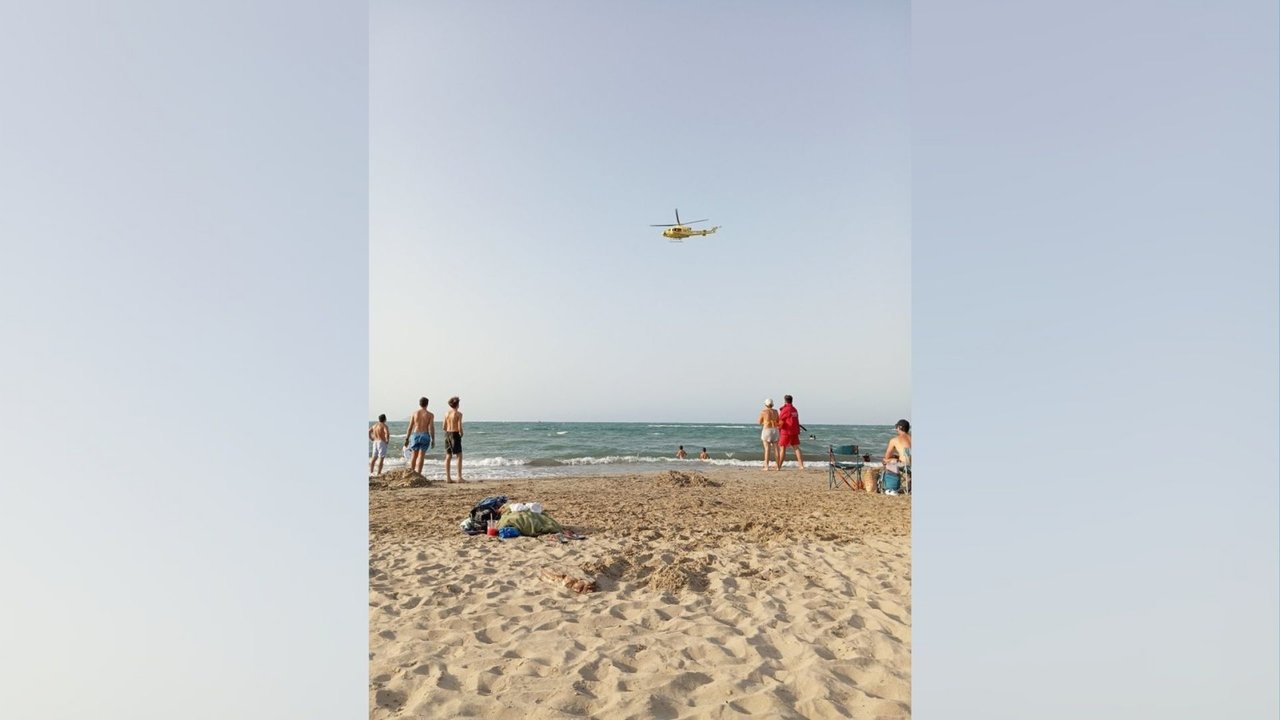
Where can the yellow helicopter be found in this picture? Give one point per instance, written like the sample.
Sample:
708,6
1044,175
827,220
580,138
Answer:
680,231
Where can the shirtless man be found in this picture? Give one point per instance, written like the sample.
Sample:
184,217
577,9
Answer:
681,454
768,421
421,435
452,439
703,455
899,447
379,434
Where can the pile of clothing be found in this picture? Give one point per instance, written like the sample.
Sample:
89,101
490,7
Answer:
527,518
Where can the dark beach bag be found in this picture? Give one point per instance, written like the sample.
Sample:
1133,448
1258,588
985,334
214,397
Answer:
486,510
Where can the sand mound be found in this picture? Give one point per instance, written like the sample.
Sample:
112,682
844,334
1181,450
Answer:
675,478
676,576
569,579
616,565
663,572
399,478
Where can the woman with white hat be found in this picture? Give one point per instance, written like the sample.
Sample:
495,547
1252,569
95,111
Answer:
769,431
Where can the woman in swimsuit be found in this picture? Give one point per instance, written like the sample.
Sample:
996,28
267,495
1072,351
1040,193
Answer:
768,421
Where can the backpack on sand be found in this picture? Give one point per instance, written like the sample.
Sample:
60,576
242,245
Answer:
486,510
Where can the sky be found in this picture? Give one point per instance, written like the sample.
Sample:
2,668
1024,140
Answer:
520,153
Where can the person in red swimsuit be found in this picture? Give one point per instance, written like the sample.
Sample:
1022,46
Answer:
789,431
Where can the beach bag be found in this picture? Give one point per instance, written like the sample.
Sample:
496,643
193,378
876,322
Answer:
486,510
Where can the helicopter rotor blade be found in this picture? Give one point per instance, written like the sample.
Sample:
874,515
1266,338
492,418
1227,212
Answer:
679,223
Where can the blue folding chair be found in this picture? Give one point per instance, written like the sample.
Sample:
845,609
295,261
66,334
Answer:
847,471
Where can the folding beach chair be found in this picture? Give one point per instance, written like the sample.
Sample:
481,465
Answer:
846,471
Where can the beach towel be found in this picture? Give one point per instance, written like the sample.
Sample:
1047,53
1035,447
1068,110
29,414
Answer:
530,523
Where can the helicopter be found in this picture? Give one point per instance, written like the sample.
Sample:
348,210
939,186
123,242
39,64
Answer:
680,231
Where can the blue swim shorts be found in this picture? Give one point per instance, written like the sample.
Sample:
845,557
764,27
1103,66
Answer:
420,441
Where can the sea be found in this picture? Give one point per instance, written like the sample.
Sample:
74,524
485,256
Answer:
506,450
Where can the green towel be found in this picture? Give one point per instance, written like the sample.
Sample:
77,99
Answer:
530,523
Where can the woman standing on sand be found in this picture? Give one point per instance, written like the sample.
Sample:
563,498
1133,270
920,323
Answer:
768,421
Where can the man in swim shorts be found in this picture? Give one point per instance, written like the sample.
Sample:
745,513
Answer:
897,456
421,435
379,434
768,421
789,428
452,439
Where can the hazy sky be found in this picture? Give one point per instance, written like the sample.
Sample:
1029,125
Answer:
519,153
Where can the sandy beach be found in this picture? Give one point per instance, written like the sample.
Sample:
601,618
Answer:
719,592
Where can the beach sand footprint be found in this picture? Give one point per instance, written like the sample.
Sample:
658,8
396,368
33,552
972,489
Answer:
389,699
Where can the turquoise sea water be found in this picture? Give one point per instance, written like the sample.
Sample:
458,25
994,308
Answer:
496,450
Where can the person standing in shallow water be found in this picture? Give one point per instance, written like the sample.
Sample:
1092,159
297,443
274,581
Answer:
452,439
421,435
379,435
681,454
789,431
768,420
